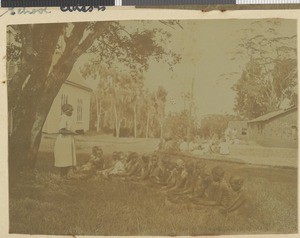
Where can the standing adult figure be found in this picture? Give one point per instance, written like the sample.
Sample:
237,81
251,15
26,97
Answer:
64,148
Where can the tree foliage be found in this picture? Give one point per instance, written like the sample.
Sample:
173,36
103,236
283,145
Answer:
177,125
214,126
270,74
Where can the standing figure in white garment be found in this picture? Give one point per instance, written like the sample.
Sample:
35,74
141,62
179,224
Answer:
64,148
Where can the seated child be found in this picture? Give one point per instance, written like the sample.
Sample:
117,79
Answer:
99,161
180,176
218,190
184,184
114,156
156,170
127,162
174,171
144,167
132,166
122,156
194,170
117,168
188,176
239,201
140,170
96,160
201,184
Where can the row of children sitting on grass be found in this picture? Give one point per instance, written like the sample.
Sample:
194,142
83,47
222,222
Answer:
182,181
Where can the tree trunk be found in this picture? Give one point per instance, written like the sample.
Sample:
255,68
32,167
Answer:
189,131
98,122
98,105
117,122
25,95
134,119
161,130
147,125
118,129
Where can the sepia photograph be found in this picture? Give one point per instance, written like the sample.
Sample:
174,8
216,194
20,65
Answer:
153,127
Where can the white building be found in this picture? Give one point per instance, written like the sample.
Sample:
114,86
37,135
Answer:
76,92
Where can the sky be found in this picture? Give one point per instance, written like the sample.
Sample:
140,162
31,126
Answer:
206,48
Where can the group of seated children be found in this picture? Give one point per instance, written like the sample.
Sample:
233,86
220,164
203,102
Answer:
134,167
183,181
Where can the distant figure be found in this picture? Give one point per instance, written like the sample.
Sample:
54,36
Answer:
202,149
227,134
160,146
234,133
64,148
224,147
172,145
214,148
184,147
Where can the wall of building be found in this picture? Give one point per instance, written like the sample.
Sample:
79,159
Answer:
280,131
79,99
241,127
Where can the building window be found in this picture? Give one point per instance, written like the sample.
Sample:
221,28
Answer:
294,132
79,109
244,131
63,100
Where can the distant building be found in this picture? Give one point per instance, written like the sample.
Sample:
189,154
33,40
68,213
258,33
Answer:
241,129
275,129
76,92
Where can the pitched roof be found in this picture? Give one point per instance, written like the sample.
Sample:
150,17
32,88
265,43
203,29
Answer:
76,79
271,115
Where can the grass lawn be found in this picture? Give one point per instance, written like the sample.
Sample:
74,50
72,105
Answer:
46,204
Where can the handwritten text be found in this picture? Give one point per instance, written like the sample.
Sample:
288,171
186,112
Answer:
82,8
24,11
